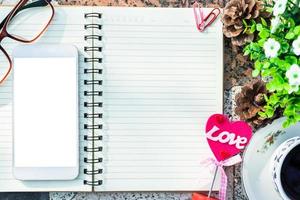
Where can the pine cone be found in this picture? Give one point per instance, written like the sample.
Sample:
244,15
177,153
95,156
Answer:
250,101
235,12
242,39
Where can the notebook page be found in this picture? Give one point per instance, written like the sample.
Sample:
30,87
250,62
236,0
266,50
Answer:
67,27
163,79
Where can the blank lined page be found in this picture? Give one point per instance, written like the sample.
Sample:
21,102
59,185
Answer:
163,79
67,27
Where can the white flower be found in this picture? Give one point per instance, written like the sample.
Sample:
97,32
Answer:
296,46
293,74
271,47
275,22
293,88
279,7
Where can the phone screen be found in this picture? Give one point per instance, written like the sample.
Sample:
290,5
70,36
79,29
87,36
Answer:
45,104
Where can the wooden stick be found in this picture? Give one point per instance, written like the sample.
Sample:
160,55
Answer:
213,182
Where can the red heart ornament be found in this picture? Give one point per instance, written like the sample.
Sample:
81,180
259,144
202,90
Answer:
225,138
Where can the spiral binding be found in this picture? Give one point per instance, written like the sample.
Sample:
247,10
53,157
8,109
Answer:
93,183
94,93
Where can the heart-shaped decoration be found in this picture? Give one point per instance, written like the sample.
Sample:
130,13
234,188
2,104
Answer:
225,138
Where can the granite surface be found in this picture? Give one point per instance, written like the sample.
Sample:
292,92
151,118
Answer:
236,73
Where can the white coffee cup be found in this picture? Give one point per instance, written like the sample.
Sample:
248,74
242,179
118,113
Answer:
276,163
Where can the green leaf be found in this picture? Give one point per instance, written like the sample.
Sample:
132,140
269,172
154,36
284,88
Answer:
289,110
261,42
284,101
274,99
255,72
259,27
262,114
297,106
246,52
264,33
274,60
258,65
245,23
269,9
263,21
291,59
265,73
269,111
255,47
271,86
297,30
285,47
290,35
283,65
297,117
266,65
253,28
266,97
286,87
291,22
286,123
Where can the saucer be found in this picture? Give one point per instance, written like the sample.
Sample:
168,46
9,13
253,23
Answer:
256,170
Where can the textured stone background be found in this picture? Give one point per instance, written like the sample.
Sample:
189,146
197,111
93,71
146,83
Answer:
236,73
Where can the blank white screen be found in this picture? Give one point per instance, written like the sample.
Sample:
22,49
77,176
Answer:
45,112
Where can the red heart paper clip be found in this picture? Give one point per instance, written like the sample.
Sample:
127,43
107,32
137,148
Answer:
201,21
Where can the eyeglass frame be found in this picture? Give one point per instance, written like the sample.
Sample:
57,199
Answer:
3,28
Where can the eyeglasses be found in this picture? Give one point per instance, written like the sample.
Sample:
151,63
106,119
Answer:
25,23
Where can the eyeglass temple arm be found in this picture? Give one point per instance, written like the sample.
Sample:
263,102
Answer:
40,3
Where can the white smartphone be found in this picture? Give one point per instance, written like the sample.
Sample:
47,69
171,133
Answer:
45,112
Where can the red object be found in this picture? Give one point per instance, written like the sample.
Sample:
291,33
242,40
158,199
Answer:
201,21
220,119
225,155
226,139
196,196
4,33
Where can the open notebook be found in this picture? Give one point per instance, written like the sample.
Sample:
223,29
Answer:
160,79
